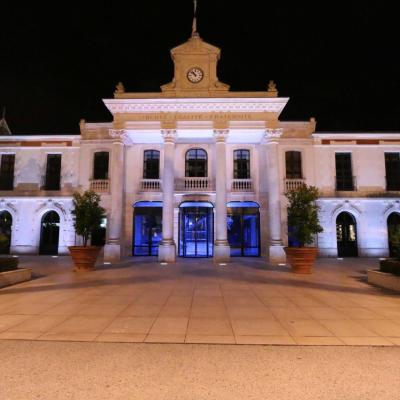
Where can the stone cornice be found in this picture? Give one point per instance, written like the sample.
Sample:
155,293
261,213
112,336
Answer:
196,105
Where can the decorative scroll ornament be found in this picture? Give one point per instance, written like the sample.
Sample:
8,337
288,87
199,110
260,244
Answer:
221,135
169,135
117,133
273,134
7,204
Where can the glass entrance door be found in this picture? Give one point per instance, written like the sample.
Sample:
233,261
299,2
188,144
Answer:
50,231
346,234
196,231
147,229
243,225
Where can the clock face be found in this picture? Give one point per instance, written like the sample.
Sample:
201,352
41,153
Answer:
195,75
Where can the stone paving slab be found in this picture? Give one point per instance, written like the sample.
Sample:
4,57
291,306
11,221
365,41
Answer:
195,301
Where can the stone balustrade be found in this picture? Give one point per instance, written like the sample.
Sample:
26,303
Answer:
100,185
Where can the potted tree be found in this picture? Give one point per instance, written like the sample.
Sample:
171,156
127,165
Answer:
303,224
87,214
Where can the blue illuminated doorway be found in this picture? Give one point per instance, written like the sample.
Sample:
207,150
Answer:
243,227
196,229
147,228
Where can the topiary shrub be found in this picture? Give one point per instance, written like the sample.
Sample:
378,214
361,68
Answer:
303,221
87,214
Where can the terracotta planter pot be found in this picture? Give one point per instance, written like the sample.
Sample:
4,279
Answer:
301,259
84,257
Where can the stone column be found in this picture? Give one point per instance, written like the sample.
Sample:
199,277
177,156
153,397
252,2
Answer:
275,250
167,248
221,245
113,248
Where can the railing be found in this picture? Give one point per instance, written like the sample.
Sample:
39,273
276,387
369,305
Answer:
392,183
194,184
242,185
293,184
100,185
346,183
150,185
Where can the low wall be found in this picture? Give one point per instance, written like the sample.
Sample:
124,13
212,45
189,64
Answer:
12,277
384,279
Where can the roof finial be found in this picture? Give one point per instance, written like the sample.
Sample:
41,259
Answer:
194,26
4,129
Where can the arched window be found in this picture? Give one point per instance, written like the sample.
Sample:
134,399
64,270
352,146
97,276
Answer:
100,165
196,163
241,164
151,164
49,234
5,230
293,165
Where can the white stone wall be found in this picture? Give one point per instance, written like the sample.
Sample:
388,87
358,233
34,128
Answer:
30,165
318,167
371,220
27,214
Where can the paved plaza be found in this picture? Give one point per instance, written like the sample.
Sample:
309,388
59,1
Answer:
194,301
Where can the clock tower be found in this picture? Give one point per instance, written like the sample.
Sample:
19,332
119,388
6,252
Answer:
195,72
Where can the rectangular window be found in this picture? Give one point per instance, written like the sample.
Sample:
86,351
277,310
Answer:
293,165
392,164
53,172
100,165
241,164
151,164
7,172
344,173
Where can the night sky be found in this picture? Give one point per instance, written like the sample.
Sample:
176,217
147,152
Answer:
337,62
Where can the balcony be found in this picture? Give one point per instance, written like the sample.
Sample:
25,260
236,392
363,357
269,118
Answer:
242,185
100,185
194,185
293,184
345,183
150,185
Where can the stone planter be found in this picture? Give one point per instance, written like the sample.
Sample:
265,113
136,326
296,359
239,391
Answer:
17,276
84,257
384,280
301,259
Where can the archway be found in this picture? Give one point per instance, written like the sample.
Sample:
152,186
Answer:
49,233
147,228
393,225
243,227
346,235
196,229
5,230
